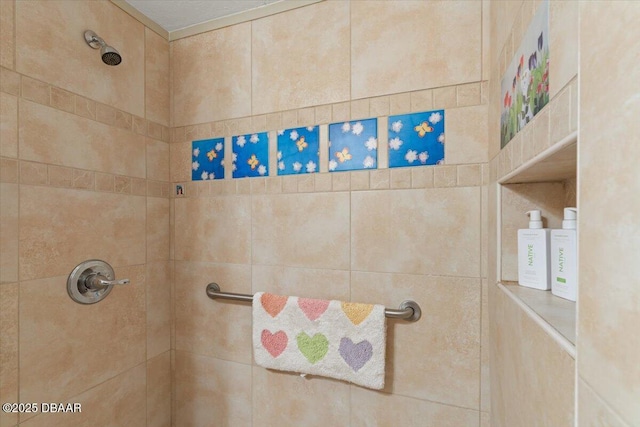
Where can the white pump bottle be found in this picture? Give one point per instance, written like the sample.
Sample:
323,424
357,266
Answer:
564,257
533,254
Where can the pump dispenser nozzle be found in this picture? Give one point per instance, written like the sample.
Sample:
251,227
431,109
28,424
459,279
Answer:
535,219
569,222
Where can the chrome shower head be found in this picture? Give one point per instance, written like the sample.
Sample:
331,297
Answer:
110,55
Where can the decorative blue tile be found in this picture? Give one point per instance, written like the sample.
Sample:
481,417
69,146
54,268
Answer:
207,159
250,155
353,145
416,139
298,150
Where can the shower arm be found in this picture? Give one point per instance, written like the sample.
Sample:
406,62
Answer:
94,40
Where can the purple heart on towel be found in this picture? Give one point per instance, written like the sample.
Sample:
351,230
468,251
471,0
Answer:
356,355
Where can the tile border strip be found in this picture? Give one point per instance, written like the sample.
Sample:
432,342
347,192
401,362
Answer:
25,172
446,97
445,176
33,90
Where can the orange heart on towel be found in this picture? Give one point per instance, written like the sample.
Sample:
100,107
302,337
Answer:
356,312
273,304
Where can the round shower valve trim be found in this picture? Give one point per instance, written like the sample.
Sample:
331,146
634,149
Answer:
91,281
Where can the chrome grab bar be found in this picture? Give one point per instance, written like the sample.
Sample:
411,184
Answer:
408,310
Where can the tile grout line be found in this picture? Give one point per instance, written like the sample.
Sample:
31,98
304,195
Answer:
482,235
18,131
146,233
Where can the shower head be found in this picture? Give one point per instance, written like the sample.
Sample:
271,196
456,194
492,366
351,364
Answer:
110,55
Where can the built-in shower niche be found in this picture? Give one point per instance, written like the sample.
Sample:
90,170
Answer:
547,183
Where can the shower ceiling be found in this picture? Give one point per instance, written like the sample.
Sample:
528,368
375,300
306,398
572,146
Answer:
173,15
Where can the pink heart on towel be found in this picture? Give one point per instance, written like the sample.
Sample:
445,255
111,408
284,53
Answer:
313,308
273,304
274,343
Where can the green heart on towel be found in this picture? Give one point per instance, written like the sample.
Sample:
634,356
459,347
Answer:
314,349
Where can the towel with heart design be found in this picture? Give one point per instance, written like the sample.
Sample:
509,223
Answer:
334,339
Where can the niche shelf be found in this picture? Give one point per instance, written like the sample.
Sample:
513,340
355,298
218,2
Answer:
557,163
547,181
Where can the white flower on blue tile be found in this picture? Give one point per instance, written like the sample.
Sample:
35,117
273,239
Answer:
435,117
371,144
311,167
411,156
219,146
252,159
396,126
281,132
416,139
206,162
423,157
395,143
298,150
353,145
368,162
357,128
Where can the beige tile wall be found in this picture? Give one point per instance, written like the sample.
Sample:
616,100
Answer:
212,391
608,295
313,258
9,349
126,392
282,74
211,75
527,387
84,173
375,236
157,105
392,50
114,106
533,380
7,30
50,47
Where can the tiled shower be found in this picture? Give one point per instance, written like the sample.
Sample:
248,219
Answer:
180,167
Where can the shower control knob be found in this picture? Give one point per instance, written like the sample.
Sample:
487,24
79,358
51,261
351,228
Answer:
91,281
98,281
